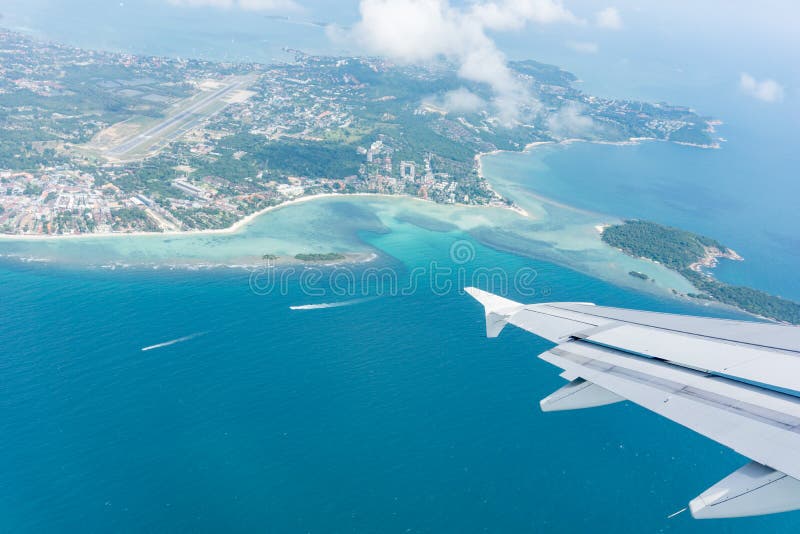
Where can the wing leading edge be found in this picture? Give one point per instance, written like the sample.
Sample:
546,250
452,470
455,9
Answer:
735,382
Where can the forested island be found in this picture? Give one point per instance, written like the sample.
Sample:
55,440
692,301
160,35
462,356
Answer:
688,253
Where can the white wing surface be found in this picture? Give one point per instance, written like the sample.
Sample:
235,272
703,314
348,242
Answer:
736,382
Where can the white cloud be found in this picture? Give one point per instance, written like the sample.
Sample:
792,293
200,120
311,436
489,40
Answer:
609,18
583,47
246,5
569,121
460,100
428,30
766,90
514,14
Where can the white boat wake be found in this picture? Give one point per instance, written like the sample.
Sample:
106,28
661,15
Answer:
324,305
173,341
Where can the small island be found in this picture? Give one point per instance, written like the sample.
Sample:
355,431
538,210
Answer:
688,254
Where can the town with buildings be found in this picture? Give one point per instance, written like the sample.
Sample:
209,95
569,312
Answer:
98,142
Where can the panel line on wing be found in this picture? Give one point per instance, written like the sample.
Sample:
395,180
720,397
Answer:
708,371
540,312
682,331
671,387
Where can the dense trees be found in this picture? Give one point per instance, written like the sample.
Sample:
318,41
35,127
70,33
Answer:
747,298
678,250
675,248
286,157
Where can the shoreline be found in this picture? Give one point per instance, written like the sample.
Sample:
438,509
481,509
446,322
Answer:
247,219
712,257
632,141
241,223
566,142
257,263
354,258
234,228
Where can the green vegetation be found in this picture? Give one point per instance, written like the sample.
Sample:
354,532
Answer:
132,219
286,157
152,177
330,256
747,298
205,218
680,250
677,249
33,189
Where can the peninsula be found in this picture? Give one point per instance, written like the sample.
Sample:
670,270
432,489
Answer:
689,254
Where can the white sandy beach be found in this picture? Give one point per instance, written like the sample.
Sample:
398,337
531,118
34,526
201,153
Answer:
238,225
245,221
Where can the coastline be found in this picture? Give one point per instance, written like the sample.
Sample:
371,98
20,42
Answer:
257,263
234,228
566,142
247,219
601,220
712,257
632,141
241,223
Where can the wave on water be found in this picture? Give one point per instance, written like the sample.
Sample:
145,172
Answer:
173,341
324,305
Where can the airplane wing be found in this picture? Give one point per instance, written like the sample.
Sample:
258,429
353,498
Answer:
736,382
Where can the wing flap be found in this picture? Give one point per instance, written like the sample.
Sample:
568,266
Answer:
767,335
781,371
762,425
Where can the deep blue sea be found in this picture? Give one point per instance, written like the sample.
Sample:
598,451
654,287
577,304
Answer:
391,415
395,413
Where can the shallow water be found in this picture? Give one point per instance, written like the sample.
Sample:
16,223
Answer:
390,414
393,414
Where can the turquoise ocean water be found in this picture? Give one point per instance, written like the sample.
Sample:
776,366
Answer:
390,415
744,198
393,414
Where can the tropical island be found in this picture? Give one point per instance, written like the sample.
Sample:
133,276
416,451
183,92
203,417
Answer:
108,143
689,254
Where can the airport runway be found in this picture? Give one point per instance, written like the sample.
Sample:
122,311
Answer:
182,116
